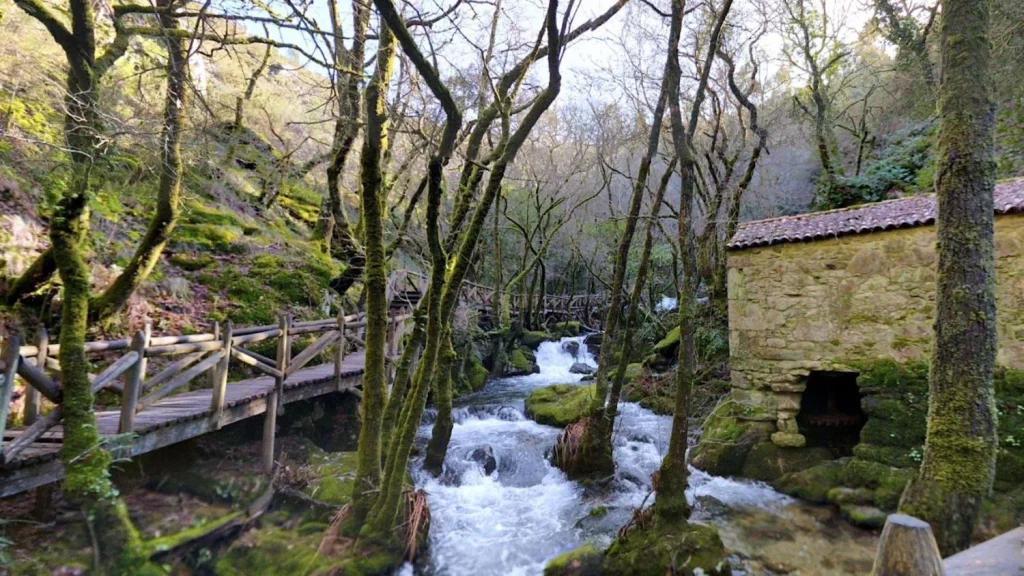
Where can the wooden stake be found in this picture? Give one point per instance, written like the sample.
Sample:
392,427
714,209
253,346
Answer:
907,548
215,328
284,355
220,386
339,354
132,388
33,398
269,431
12,355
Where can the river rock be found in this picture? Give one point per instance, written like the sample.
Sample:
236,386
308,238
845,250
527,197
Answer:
484,456
571,347
581,368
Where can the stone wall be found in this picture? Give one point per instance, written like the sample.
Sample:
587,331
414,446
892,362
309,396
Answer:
828,304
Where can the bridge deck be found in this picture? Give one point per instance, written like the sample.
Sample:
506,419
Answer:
175,419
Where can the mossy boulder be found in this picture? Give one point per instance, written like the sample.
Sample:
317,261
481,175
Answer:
521,361
567,328
727,440
863,516
668,346
474,375
559,405
275,550
533,338
767,461
813,484
191,262
668,548
583,561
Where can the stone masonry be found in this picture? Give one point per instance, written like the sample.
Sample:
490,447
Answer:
800,306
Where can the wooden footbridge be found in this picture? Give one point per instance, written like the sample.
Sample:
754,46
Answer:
153,376
175,387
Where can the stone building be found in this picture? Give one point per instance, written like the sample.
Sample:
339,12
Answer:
813,296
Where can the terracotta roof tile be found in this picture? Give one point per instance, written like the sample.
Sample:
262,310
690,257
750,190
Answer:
890,214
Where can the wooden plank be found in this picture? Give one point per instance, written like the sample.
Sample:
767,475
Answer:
264,359
256,337
119,367
284,356
173,349
30,434
999,556
312,350
181,379
170,370
244,356
40,381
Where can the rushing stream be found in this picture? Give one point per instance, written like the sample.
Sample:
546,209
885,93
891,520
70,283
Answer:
525,512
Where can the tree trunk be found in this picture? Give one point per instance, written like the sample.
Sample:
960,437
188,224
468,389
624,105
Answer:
960,448
437,448
672,483
169,194
368,472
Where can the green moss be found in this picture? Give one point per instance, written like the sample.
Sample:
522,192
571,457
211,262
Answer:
864,516
813,484
335,474
559,405
598,512
894,421
522,361
567,328
209,237
191,262
727,440
583,561
669,344
533,338
767,462
274,550
655,550
171,541
476,373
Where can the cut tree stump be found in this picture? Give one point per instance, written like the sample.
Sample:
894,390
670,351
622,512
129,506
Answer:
907,548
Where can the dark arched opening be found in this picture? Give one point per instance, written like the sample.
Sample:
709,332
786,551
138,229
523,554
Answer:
830,415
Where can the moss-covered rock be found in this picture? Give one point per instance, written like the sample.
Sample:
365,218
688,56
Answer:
567,328
583,561
767,461
521,361
559,405
668,346
533,338
813,484
727,440
668,548
863,516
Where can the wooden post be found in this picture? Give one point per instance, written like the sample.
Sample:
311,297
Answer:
284,356
907,548
132,388
33,398
11,356
339,354
215,328
220,387
269,431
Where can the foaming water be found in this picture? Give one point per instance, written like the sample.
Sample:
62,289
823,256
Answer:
500,507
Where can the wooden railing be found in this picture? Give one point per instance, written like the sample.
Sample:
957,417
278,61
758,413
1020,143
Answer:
184,358
483,296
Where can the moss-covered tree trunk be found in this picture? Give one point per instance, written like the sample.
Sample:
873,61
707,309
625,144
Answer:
960,448
441,434
403,375
343,243
86,462
368,471
674,475
595,453
169,192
